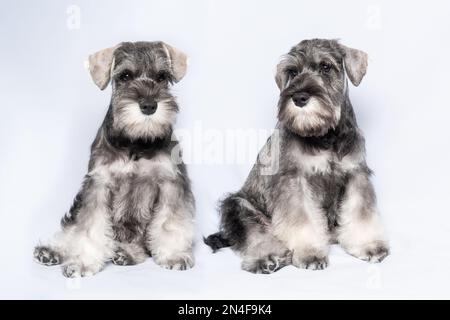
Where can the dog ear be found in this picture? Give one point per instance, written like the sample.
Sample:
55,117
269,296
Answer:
280,75
355,63
100,66
178,62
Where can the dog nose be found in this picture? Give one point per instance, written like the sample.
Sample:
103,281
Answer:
300,99
148,108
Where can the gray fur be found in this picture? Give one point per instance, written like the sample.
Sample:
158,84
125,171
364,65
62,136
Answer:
135,200
322,192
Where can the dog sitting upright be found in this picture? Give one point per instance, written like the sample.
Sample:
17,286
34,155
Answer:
136,198
321,193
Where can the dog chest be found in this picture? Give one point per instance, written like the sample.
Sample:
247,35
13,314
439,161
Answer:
316,163
326,177
327,162
156,168
134,184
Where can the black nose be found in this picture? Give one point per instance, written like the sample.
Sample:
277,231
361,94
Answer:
148,108
300,99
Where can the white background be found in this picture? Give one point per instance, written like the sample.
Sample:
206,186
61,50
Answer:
51,110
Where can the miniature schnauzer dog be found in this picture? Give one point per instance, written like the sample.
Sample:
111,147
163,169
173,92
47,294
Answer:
135,200
321,193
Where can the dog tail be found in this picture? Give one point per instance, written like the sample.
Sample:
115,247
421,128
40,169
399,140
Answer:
237,215
217,241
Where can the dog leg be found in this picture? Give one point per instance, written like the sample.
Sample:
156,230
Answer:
309,243
360,231
263,253
301,225
85,243
245,228
170,235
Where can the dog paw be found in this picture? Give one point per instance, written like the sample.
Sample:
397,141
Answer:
374,252
311,262
269,264
71,271
183,262
121,258
46,256
74,270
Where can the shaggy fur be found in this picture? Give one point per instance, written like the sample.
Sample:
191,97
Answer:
321,193
135,199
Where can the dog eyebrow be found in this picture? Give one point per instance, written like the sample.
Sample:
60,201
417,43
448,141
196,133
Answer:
162,63
123,66
329,59
292,61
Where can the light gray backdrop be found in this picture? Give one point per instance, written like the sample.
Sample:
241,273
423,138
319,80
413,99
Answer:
50,112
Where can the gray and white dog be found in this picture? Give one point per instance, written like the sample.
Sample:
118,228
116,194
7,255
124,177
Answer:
321,193
135,200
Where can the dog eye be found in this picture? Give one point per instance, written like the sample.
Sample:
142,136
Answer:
126,76
292,73
325,67
162,76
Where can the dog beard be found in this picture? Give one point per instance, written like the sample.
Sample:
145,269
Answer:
314,119
129,120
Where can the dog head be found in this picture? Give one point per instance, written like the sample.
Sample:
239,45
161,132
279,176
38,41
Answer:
313,84
141,74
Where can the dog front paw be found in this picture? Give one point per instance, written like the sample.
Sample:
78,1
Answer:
373,252
310,262
71,271
267,265
181,262
46,256
74,270
121,258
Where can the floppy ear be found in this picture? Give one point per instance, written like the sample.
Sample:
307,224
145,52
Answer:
281,77
178,61
100,66
355,63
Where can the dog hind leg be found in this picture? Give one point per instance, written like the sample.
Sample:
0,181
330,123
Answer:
47,256
246,229
264,253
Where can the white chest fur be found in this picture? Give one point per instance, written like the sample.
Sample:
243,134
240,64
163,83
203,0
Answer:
324,162
158,167
319,162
